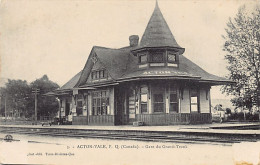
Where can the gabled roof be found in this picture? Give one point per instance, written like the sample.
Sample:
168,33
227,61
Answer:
157,32
114,60
72,82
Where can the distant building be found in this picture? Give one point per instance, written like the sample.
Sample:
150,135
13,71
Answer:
150,81
226,103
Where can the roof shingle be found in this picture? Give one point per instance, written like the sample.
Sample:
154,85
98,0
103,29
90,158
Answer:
157,32
72,82
122,65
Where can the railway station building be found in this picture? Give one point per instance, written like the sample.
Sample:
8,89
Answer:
150,81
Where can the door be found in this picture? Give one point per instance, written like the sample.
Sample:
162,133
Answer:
67,109
119,106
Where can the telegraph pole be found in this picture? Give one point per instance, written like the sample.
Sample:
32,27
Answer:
35,92
1,102
5,108
258,100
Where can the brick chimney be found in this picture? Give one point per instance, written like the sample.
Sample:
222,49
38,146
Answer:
133,40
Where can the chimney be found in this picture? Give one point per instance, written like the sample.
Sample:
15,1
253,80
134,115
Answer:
133,39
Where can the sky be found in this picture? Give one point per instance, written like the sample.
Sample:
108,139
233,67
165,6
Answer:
55,37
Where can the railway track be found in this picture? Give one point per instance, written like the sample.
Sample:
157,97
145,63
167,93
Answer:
130,135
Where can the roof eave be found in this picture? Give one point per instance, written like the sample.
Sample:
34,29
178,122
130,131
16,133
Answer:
93,86
158,77
218,82
140,48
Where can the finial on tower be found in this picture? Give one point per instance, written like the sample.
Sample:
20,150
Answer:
156,4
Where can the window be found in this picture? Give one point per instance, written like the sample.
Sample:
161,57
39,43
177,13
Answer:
173,99
100,102
156,57
79,104
158,99
142,58
171,57
194,100
102,74
158,103
144,99
98,74
93,75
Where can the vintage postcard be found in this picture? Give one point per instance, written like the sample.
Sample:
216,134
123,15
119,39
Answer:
130,82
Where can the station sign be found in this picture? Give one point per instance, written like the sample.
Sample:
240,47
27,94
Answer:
75,91
163,73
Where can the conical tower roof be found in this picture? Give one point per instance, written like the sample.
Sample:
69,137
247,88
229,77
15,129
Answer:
157,32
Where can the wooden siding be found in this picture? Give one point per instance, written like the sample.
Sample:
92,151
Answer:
125,120
204,102
79,120
178,118
200,118
185,102
102,120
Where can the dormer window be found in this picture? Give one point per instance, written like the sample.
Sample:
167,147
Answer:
171,57
156,57
142,58
98,74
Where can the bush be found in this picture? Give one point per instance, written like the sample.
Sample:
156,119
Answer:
228,111
240,116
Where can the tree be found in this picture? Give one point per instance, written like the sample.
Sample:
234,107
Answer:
47,106
16,93
242,47
2,101
20,99
228,111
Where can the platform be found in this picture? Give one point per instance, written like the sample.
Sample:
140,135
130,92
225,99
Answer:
216,128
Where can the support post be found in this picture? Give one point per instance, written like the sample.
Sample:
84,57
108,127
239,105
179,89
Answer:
5,109
35,95
258,102
35,92
59,103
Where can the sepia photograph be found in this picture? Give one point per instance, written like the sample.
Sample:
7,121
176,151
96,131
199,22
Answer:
130,82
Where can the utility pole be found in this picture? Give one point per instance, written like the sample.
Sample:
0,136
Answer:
5,108
35,92
1,102
258,102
